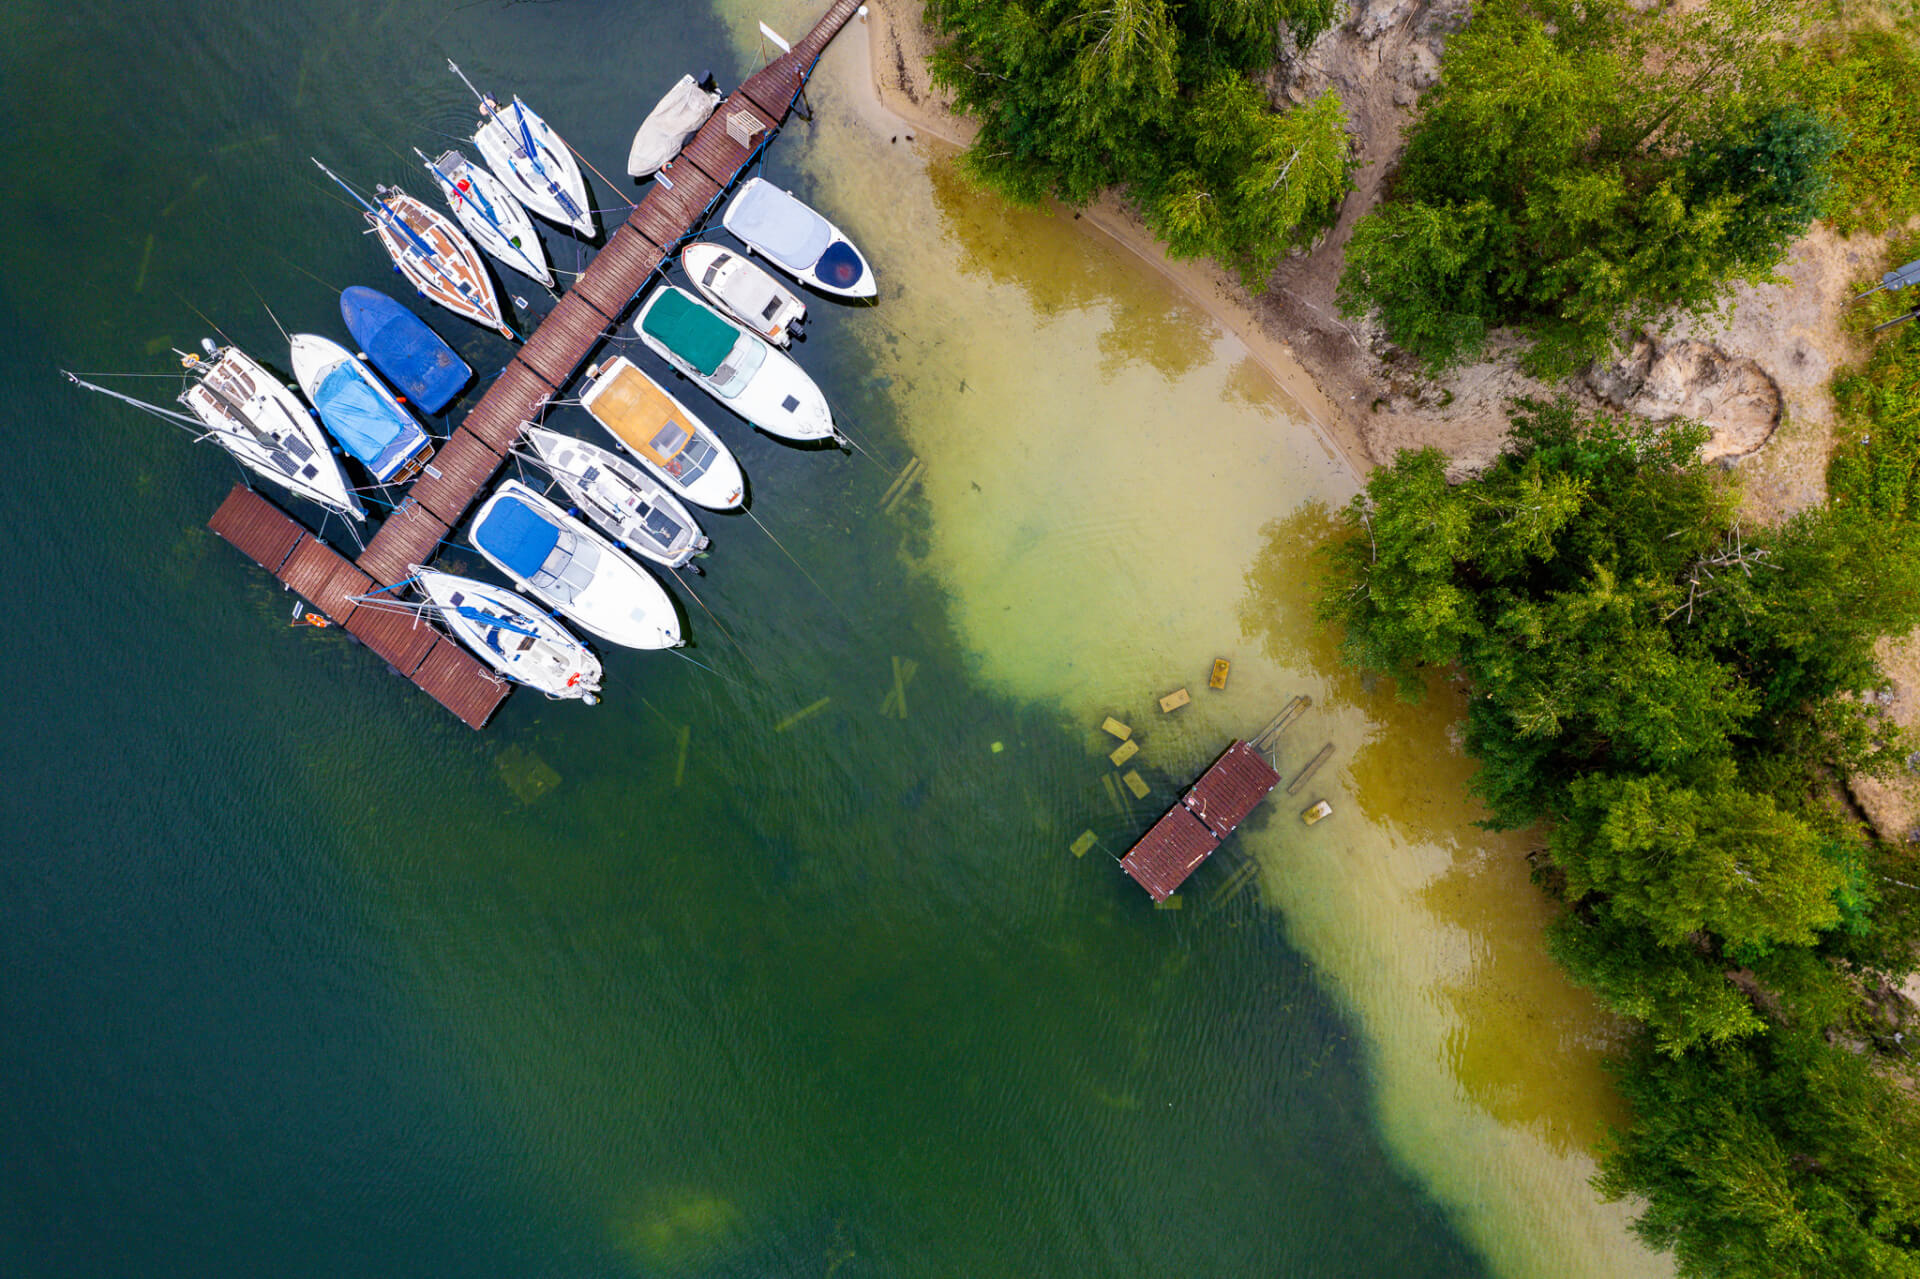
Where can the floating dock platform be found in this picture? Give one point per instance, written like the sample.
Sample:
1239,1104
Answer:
671,212
1189,832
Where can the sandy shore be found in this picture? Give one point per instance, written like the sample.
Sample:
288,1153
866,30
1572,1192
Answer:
896,50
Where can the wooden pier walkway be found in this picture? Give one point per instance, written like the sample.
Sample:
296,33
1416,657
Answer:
1176,844
674,209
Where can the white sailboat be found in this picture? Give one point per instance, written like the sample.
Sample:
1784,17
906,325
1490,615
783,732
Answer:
572,568
632,506
496,221
535,162
513,635
736,367
266,427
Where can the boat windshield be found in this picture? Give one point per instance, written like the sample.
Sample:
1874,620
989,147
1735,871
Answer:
569,567
663,527
737,370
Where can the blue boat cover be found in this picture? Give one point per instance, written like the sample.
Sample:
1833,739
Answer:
840,266
365,422
517,535
402,347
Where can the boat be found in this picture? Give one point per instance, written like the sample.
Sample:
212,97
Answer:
408,354
672,121
432,253
632,506
750,295
563,562
736,367
359,410
799,241
264,425
513,635
667,439
532,160
496,221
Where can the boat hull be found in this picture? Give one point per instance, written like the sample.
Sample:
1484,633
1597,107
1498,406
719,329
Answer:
673,120
550,660
744,291
409,354
795,238
490,214
232,393
638,411
779,399
316,361
451,272
625,502
618,601
546,179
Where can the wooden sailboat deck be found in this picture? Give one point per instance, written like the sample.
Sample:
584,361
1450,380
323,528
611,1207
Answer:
672,210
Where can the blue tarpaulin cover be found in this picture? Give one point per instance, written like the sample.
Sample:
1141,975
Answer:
516,535
839,266
365,422
403,348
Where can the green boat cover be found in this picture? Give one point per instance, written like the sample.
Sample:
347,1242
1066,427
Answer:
689,330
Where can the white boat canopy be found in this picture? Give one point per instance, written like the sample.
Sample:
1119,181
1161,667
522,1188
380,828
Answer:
779,226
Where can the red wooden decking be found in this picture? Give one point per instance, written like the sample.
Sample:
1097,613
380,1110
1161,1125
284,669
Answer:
275,541
546,362
1176,845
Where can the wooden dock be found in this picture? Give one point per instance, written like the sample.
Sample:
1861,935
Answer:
1189,832
671,212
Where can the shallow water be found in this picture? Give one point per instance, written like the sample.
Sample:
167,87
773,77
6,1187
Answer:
736,973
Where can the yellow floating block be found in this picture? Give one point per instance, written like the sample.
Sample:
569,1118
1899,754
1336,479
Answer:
1219,677
1134,783
1124,752
1172,903
1175,700
1116,728
1080,846
1314,814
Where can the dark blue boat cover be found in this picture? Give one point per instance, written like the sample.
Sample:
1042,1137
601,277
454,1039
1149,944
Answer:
402,347
366,422
839,266
516,535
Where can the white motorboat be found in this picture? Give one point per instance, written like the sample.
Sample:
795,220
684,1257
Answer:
432,253
750,295
672,121
669,441
624,501
736,367
495,220
266,427
563,562
799,241
359,410
535,162
513,635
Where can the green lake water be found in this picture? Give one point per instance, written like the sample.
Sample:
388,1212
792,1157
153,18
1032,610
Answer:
302,977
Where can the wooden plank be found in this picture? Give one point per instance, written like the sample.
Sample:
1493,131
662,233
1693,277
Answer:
257,528
1313,766
714,150
451,676
400,636
618,272
1169,852
515,398
411,535
325,578
666,215
1231,789
461,469
557,348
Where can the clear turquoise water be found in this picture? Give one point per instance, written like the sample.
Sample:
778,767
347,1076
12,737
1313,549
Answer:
295,982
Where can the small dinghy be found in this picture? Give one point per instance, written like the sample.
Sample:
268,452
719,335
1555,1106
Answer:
266,427
433,254
797,240
736,285
574,569
408,353
535,163
513,635
359,411
736,367
636,509
495,220
667,127
669,441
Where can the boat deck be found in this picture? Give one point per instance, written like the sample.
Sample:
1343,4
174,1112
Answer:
671,212
1189,832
